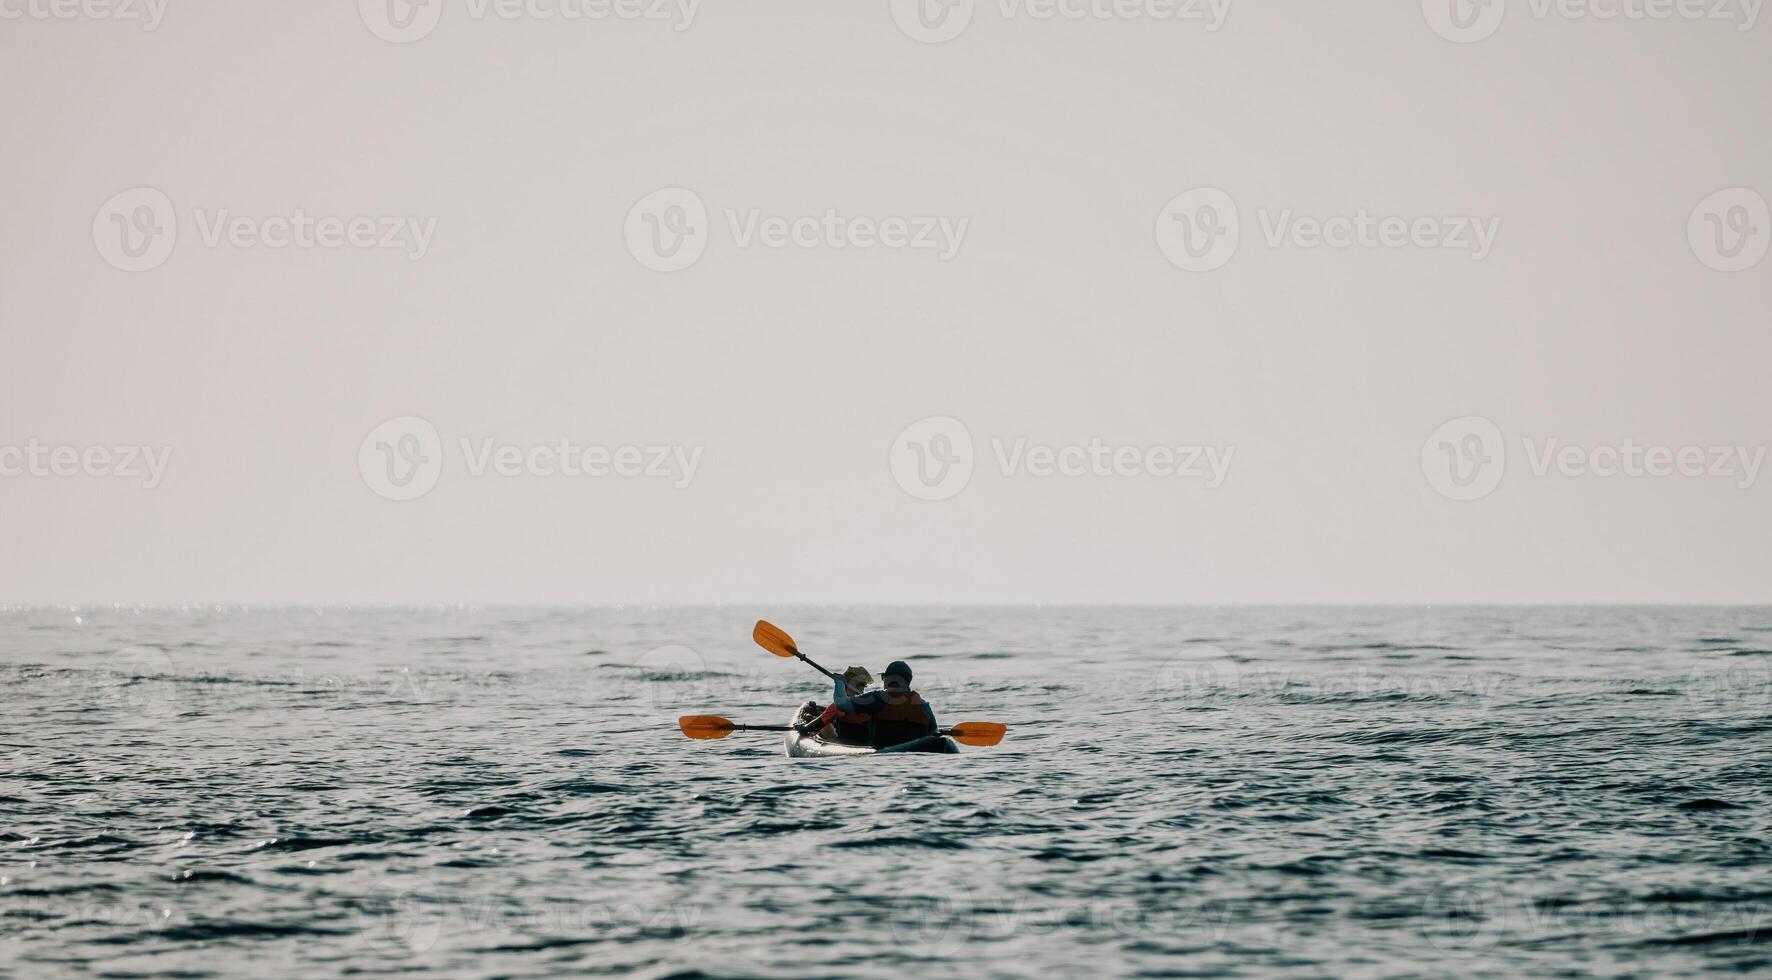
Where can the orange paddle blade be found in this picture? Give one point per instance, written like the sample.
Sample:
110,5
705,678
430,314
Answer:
979,733
705,726
774,639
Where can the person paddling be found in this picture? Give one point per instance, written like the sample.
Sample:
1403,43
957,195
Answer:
895,715
897,719
845,727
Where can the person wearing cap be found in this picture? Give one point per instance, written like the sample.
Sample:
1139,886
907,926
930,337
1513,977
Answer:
894,715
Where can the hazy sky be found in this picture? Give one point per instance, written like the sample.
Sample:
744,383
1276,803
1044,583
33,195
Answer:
1087,245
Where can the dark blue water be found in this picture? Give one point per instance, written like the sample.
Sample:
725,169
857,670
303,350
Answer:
1202,792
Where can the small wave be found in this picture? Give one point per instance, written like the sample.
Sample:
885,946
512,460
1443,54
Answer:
1743,936
932,841
59,891
583,787
1681,895
487,812
205,877
109,842
209,931
1710,804
297,843
1454,854
541,945
1381,647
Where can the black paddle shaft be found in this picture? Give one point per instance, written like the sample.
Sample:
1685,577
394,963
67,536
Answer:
816,667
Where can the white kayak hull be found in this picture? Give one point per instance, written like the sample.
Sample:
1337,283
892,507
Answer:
812,747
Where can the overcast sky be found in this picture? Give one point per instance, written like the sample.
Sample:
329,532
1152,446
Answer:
1311,303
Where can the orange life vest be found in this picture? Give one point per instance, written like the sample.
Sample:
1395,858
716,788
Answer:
844,726
902,719
906,707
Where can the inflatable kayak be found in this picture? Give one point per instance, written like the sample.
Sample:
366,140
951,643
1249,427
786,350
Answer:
815,747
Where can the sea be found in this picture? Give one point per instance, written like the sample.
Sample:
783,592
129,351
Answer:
215,791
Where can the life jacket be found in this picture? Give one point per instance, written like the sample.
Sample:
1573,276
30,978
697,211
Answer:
847,727
902,718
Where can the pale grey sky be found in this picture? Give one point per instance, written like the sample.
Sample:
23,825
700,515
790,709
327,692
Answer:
992,229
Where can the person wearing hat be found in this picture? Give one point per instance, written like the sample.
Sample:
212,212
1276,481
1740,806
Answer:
894,715
845,727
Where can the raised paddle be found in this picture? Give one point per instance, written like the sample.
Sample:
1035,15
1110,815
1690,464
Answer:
976,733
777,641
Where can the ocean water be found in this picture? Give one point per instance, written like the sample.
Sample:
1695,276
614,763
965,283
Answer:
1184,791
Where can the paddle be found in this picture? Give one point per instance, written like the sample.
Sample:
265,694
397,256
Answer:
714,726
776,640
981,734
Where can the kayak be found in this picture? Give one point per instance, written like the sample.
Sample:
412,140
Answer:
814,747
